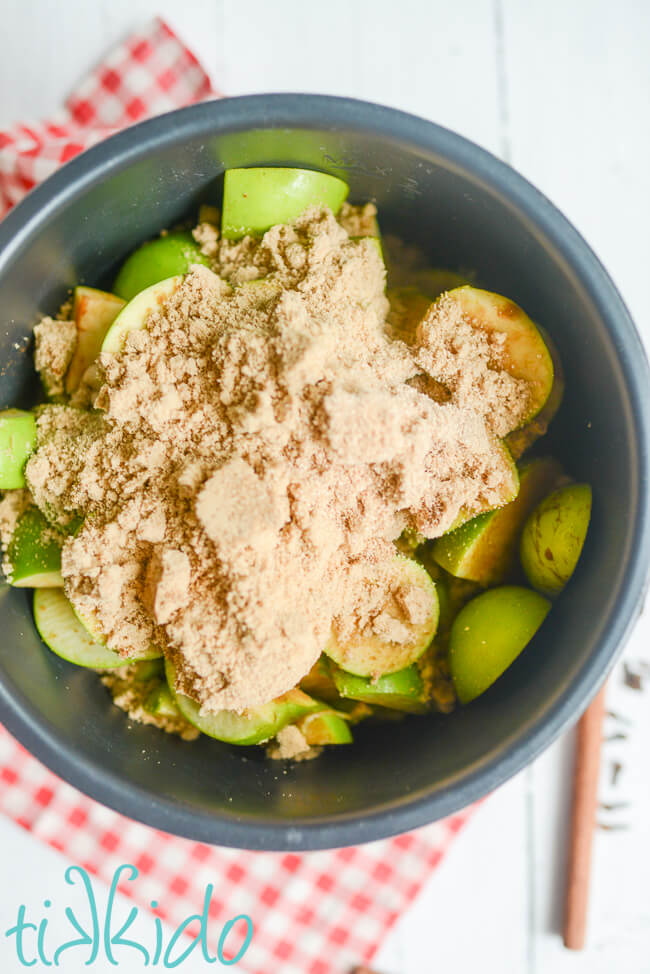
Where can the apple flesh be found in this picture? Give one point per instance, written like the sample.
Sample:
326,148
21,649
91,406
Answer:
510,490
520,440
484,550
524,352
367,654
134,315
34,553
93,312
326,727
251,727
256,199
160,702
408,307
489,633
553,537
62,632
156,260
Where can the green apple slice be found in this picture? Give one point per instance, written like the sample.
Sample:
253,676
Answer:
167,256
256,199
252,726
408,306
134,316
319,683
160,702
17,441
149,669
489,633
34,553
452,592
510,491
90,623
404,690
518,441
406,583
553,537
94,312
484,550
326,727
62,632
524,353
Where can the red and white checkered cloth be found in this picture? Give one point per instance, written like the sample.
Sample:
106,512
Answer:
317,913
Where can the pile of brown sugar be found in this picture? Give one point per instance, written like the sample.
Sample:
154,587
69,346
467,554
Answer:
256,445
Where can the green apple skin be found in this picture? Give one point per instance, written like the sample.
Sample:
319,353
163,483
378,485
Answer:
319,683
484,550
89,621
62,632
148,669
157,260
553,537
160,702
510,491
34,554
403,690
17,441
256,199
489,633
326,727
251,727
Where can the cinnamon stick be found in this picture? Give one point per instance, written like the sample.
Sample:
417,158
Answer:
585,798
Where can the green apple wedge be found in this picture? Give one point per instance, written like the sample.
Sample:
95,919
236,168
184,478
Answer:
91,624
408,306
325,727
365,654
524,352
251,727
319,683
509,491
93,312
484,550
17,441
34,552
256,199
553,537
62,632
134,315
160,702
520,440
156,260
404,691
489,633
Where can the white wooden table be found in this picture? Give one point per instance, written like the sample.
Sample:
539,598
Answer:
560,88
